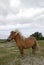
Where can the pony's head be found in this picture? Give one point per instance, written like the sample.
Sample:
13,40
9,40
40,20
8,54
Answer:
12,35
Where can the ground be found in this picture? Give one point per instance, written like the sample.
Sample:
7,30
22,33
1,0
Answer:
10,55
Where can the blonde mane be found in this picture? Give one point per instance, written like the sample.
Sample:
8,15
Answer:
18,32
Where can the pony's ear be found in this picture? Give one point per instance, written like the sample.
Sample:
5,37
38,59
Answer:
12,31
16,33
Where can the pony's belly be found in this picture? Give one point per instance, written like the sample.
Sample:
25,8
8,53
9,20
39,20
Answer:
28,44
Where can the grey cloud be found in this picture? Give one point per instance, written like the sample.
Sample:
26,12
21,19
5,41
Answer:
2,23
5,8
39,18
32,3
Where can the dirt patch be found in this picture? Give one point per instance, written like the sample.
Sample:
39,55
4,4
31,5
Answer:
33,60
28,60
9,44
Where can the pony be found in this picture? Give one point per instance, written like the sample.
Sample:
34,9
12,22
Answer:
23,43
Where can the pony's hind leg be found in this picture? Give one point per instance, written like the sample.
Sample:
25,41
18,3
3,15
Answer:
34,49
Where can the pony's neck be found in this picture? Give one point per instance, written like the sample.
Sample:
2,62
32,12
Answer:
17,38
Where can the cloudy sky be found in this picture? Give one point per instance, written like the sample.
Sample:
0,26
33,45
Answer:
24,15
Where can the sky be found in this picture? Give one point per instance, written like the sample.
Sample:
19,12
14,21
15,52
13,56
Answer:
25,15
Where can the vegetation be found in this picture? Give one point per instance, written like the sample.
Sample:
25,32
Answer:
38,36
9,53
3,40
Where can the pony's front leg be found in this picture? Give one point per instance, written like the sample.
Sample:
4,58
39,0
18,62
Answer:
33,51
21,52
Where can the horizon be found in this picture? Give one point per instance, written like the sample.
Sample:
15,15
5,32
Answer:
25,35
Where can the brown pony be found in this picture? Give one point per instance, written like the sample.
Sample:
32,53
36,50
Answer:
23,42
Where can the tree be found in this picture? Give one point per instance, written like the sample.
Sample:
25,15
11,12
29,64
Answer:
37,35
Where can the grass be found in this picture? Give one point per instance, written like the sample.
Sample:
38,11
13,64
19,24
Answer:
41,44
2,41
11,52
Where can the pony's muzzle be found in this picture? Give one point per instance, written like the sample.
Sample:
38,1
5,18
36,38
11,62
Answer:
8,40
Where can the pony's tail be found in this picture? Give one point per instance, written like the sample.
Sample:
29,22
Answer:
37,47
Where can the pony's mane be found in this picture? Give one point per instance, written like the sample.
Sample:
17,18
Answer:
18,32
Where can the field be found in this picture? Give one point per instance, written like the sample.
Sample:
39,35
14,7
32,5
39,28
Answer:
10,55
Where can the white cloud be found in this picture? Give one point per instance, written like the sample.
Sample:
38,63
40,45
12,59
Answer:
30,12
18,26
25,29
25,13
8,27
23,16
15,3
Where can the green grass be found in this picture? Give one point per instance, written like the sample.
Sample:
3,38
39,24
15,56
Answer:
41,44
8,53
2,41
